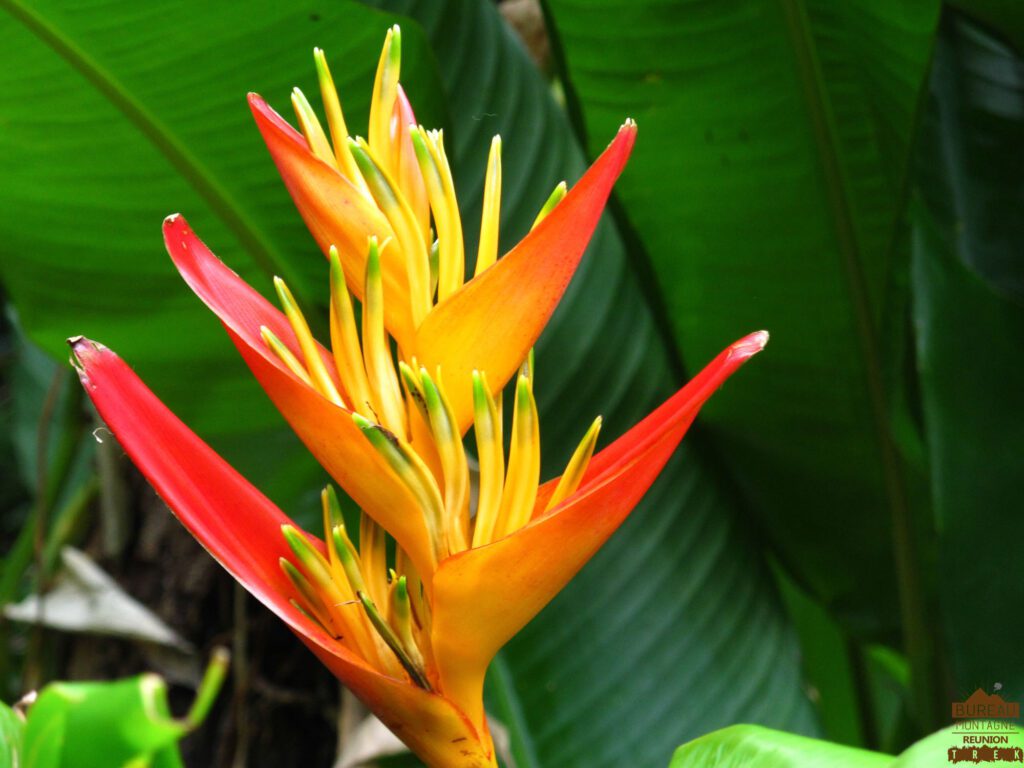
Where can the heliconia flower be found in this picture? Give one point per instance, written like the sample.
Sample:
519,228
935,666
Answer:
391,186
411,633
423,674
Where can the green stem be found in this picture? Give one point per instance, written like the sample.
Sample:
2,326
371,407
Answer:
213,680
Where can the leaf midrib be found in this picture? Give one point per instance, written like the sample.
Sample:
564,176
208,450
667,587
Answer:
254,241
824,132
828,149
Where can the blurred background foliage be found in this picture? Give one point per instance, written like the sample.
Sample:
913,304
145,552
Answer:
832,552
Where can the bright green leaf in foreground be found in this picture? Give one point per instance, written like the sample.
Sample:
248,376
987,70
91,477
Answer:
12,729
124,724
750,746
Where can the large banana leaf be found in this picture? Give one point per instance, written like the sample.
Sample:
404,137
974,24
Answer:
674,628
969,311
117,114
767,189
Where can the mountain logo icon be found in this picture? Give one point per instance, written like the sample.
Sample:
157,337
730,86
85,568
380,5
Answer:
987,706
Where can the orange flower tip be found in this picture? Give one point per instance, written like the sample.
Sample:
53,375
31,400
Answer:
625,138
749,346
269,121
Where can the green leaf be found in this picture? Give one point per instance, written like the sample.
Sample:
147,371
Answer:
118,114
830,664
12,729
123,724
674,628
754,747
766,188
90,724
970,331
